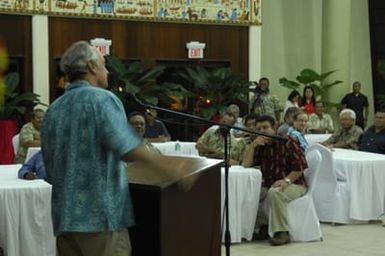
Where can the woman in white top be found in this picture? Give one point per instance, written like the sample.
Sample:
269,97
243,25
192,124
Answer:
292,100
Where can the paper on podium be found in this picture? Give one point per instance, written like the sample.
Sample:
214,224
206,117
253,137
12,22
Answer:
139,173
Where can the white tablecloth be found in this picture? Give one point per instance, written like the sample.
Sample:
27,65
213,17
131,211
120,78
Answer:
171,148
365,175
244,190
316,138
25,215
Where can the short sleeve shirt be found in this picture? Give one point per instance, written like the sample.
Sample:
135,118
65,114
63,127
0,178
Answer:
356,103
26,134
268,105
155,130
84,135
349,137
324,123
239,147
214,139
372,141
278,159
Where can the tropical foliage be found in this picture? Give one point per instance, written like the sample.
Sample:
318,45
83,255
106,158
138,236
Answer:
15,103
141,79
215,89
315,80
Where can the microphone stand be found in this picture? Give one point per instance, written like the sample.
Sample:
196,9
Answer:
227,128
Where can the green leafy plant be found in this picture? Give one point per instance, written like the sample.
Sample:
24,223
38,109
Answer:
216,89
315,80
141,79
15,103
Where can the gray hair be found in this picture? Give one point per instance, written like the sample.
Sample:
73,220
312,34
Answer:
74,62
350,113
35,111
233,107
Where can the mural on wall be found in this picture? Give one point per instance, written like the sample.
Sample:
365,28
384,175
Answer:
237,12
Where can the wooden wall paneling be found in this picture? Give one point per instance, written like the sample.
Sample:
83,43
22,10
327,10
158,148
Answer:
16,31
156,40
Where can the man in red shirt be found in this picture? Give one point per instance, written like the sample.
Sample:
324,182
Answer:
282,165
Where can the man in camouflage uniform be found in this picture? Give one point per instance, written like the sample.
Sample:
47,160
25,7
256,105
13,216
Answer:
240,145
29,135
264,103
212,144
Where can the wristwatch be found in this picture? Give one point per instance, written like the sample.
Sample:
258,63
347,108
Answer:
287,180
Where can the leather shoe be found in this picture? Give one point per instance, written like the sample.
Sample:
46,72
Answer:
263,233
280,238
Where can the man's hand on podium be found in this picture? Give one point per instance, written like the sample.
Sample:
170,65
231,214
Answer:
173,169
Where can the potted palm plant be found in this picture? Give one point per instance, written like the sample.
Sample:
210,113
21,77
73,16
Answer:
315,80
12,114
215,89
142,79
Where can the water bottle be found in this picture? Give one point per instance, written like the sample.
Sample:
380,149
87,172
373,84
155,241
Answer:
177,146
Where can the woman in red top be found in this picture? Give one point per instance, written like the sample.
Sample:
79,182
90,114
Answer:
308,100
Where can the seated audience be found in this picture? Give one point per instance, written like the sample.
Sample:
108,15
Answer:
156,131
138,122
240,145
33,169
298,129
320,122
212,144
282,164
373,139
292,101
348,134
234,109
282,130
29,135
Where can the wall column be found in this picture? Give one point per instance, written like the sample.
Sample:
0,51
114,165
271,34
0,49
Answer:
40,57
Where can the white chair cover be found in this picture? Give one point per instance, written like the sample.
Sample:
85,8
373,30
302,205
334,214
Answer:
331,197
303,222
15,143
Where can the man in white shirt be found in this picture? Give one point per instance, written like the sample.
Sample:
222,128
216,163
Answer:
320,122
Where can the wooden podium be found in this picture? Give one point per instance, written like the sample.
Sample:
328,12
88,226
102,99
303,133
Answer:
173,222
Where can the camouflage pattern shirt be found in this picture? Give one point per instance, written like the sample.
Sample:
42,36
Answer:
349,137
26,134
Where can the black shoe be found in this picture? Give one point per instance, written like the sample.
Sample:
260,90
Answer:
280,238
263,233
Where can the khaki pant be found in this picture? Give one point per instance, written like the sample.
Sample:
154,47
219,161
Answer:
105,243
277,201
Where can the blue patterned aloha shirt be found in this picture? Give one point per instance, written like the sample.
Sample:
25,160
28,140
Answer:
84,135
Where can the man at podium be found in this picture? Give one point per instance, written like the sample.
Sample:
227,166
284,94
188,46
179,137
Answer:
85,137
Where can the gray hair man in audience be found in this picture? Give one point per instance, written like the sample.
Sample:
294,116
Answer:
348,134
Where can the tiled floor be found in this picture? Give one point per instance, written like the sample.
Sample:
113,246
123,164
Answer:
352,240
